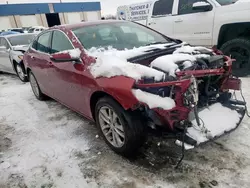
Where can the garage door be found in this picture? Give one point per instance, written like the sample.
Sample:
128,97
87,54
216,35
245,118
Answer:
74,17
92,16
29,20
5,23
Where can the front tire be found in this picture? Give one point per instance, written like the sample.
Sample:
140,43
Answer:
122,130
20,73
238,49
35,87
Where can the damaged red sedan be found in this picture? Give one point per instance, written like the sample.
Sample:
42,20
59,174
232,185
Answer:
130,79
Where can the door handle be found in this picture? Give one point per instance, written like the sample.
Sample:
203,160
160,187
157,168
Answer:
32,57
178,21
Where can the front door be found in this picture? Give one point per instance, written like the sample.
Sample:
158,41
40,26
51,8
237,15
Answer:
67,78
193,26
162,19
5,63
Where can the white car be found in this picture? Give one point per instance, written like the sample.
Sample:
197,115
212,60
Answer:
36,29
220,23
12,48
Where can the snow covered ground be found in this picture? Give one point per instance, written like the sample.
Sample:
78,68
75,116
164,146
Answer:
46,145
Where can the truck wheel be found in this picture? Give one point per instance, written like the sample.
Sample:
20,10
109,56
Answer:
20,73
238,49
123,131
35,87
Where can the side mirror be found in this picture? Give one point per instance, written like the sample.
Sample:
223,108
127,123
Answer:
64,57
3,49
202,6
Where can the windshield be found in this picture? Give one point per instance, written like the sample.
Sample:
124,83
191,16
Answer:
21,40
226,2
119,35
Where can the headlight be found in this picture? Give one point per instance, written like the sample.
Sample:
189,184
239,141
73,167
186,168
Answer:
20,57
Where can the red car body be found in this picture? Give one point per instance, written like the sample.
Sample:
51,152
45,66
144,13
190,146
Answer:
73,85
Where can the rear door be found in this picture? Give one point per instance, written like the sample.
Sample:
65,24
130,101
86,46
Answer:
193,26
39,58
161,17
67,77
5,63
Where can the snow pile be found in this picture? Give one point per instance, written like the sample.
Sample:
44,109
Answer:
126,53
217,119
168,63
43,144
74,53
154,101
192,50
110,66
200,3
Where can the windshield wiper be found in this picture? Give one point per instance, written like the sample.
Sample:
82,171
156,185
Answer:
156,43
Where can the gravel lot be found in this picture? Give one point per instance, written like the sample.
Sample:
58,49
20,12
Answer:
46,145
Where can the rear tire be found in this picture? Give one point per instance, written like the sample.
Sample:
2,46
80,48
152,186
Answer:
122,130
35,87
21,73
238,49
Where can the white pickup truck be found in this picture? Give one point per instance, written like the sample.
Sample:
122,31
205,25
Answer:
221,23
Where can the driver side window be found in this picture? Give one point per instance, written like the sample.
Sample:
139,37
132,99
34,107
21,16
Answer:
60,42
186,6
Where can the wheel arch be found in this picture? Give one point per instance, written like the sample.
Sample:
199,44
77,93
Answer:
98,95
233,30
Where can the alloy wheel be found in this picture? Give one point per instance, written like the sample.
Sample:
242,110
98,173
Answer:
111,126
20,72
34,85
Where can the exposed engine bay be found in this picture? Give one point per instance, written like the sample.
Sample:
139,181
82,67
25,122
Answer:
207,85
201,78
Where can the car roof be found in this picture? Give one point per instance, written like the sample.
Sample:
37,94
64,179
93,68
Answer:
87,23
19,34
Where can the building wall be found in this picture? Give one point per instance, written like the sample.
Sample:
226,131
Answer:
5,23
92,15
30,20
25,15
74,17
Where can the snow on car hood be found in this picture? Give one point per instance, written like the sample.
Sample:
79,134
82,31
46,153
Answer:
112,62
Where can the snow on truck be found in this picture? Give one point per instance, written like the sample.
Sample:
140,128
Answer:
223,24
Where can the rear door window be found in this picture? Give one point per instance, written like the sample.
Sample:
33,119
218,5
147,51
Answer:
43,43
60,42
163,7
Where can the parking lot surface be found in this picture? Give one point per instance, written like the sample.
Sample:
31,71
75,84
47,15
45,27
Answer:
45,145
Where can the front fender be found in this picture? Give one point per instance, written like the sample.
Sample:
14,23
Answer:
120,88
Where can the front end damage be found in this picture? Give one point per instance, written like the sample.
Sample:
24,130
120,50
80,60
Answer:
205,106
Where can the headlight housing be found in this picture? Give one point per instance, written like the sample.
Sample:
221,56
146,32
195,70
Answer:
20,57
